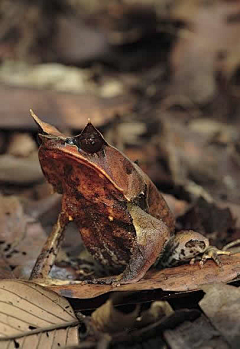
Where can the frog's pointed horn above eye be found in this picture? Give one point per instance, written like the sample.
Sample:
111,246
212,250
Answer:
44,127
90,139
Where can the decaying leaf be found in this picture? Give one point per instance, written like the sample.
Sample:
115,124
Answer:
64,109
211,44
208,218
222,305
114,324
33,317
178,207
5,270
21,237
12,219
195,334
193,157
109,319
20,170
21,145
157,310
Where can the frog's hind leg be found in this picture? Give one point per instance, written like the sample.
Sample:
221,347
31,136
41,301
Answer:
151,236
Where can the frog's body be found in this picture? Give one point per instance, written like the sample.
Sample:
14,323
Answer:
98,206
124,221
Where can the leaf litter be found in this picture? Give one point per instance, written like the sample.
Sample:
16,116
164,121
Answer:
184,152
21,235
221,304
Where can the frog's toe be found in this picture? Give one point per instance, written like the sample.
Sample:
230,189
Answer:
213,253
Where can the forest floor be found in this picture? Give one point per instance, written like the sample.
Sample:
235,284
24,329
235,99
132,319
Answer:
160,80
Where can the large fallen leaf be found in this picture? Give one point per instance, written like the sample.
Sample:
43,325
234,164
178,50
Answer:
181,278
63,109
17,170
222,305
33,317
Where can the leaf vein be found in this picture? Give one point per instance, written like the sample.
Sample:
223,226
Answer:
36,305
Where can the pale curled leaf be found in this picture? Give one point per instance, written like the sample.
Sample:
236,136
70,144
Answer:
109,319
158,310
33,317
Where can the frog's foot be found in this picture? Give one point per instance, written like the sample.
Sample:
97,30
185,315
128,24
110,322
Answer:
211,252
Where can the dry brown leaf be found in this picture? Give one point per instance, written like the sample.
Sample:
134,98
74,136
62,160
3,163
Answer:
62,109
109,319
181,278
33,317
5,270
157,311
192,158
213,130
214,33
208,218
20,170
21,238
222,306
12,219
197,333
178,207
21,145
234,208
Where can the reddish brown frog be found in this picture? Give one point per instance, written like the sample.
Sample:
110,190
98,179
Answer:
124,221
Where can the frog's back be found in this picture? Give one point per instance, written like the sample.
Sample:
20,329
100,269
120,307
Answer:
135,184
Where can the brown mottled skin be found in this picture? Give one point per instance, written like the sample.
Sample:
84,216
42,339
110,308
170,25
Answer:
124,221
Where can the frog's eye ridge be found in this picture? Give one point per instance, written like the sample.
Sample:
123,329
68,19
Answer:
90,140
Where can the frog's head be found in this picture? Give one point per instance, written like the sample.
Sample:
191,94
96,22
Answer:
89,149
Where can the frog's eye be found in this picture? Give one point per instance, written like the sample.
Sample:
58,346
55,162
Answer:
90,140
90,144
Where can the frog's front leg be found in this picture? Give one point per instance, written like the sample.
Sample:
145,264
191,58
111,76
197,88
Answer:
50,250
188,245
151,237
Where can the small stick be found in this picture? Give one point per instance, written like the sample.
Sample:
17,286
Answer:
231,244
